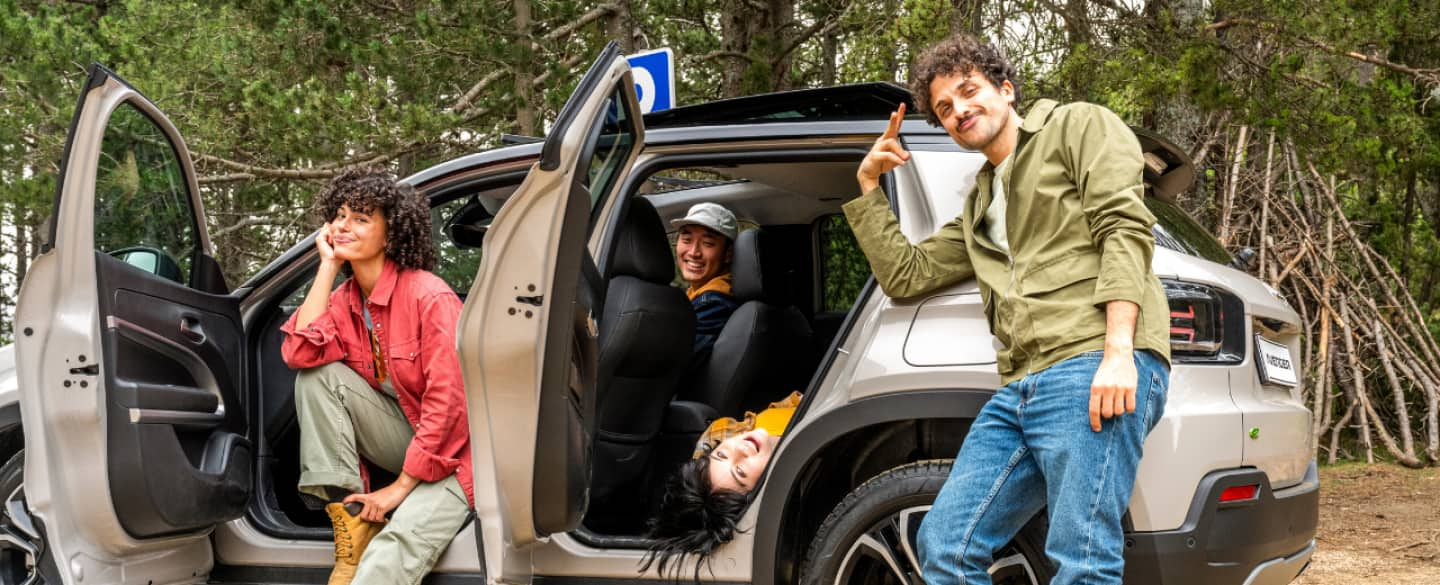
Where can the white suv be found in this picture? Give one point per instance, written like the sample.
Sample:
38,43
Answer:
158,427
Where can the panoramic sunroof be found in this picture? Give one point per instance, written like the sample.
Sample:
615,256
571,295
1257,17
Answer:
866,101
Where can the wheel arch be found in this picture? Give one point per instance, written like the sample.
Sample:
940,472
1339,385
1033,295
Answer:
833,454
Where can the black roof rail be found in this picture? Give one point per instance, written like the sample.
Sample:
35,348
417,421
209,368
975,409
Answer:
860,101
513,139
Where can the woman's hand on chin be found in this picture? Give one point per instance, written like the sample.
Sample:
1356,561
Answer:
327,249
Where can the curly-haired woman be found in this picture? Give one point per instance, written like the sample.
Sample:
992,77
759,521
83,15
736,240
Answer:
379,379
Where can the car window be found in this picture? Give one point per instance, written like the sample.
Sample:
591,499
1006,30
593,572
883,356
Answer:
843,267
143,212
455,265
1176,230
609,147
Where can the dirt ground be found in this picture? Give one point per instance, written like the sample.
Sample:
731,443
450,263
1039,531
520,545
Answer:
1378,524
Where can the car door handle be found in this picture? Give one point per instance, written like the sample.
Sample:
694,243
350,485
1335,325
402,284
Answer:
190,328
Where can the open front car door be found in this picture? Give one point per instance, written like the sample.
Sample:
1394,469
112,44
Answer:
528,332
130,357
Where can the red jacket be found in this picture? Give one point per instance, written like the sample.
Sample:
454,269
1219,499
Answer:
415,315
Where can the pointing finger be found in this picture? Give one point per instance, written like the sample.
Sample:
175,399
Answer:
895,118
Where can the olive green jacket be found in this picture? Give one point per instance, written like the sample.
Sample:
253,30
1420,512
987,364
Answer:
1079,236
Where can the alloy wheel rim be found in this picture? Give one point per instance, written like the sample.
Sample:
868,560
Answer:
20,543
886,553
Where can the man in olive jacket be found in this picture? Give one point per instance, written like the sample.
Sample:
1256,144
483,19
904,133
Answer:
1058,236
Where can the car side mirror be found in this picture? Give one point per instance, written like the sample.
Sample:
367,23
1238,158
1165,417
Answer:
468,226
152,260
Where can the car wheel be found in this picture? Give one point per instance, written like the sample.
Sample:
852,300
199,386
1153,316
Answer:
869,539
22,545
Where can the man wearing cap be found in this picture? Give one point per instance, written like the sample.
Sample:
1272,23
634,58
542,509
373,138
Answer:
702,251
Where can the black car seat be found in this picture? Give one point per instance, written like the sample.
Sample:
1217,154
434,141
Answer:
763,352
646,332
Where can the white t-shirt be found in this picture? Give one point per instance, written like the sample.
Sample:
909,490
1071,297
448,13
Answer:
995,213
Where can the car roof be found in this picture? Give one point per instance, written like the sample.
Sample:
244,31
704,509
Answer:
860,108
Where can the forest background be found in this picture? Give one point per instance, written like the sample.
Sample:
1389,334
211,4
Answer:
1315,125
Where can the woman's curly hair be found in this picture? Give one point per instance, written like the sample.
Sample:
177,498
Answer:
693,519
958,54
406,212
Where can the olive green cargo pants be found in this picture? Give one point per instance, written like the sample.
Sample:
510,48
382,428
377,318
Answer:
342,419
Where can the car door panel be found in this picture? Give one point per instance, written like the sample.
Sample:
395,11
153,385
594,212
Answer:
173,358
136,431
527,334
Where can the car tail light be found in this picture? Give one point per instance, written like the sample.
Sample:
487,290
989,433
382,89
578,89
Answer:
1205,324
1239,493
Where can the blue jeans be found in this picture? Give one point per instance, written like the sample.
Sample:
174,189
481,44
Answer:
1032,449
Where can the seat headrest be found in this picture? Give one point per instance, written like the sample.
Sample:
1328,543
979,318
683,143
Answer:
643,250
753,277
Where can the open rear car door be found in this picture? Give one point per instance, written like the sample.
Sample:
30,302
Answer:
527,334
130,357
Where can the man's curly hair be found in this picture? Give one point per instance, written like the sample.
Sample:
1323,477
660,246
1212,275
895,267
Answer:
406,212
959,54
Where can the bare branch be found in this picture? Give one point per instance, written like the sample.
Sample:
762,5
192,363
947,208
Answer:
819,27
475,90
541,79
1429,76
250,172
593,15
729,54
249,221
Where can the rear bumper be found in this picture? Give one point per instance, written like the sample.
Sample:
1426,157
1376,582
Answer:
1262,541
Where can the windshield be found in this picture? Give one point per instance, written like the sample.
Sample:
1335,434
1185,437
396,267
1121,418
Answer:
1176,230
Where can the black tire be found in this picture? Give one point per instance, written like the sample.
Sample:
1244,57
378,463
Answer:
869,539
23,554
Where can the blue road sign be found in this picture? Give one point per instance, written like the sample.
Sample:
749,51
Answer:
654,73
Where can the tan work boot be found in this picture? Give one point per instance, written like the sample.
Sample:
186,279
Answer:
352,535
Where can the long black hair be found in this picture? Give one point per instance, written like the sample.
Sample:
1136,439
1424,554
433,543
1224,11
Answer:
693,519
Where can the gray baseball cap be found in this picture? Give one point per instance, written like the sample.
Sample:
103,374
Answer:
710,215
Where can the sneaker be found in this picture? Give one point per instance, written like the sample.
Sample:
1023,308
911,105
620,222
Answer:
352,535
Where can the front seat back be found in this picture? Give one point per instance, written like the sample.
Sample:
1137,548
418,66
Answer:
646,333
763,352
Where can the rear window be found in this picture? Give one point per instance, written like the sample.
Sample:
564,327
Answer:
1176,230
843,266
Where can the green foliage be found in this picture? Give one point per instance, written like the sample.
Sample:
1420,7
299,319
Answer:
844,268
265,89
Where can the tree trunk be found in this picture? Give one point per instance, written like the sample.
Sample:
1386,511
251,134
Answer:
22,244
965,16
1407,221
1402,410
524,93
1265,201
828,53
1077,22
892,58
1340,376
1242,144
621,27
735,30
781,32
